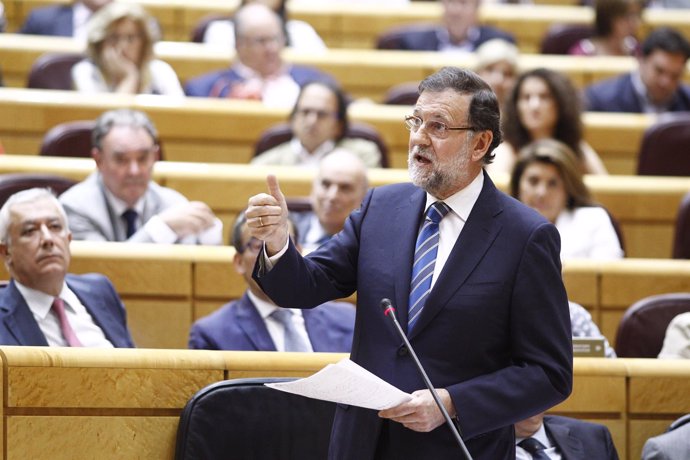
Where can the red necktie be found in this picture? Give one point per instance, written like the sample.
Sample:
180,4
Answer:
67,331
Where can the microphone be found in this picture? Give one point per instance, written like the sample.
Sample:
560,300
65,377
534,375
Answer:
389,311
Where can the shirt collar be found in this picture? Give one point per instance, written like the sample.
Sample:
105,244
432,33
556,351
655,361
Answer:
313,158
540,436
466,45
39,302
462,201
118,206
248,73
265,308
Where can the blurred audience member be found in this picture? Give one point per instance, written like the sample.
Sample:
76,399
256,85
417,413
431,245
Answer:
543,104
583,325
255,323
460,31
657,84
259,71
616,24
319,123
677,338
497,65
553,436
120,201
65,20
299,35
338,189
43,305
120,55
548,178
674,444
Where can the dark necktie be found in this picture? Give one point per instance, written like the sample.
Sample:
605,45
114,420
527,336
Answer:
293,339
67,331
535,448
130,217
424,260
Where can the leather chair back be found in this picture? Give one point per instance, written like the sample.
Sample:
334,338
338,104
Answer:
69,139
391,38
197,35
643,326
664,149
402,94
245,419
13,183
53,71
559,38
681,240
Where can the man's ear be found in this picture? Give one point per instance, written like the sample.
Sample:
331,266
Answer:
237,263
5,253
481,143
97,155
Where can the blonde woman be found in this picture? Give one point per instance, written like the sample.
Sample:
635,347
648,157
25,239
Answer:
120,55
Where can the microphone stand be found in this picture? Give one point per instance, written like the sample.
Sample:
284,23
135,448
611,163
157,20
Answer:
389,311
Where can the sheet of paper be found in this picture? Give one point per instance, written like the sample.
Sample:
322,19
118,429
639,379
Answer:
347,383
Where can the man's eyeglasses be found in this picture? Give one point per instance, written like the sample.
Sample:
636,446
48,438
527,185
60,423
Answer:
433,128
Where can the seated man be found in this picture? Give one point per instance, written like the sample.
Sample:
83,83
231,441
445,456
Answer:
671,445
64,20
43,305
657,84
338,189
545,437
259,71
120,202
254,322
460,30
319,122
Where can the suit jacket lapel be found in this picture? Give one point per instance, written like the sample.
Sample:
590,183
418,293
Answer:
96,306
408,216
571,447
253,326
19,320
476,237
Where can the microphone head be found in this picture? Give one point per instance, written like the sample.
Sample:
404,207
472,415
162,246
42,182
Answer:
387,306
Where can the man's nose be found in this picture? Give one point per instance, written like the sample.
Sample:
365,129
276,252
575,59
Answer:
46,235
133,167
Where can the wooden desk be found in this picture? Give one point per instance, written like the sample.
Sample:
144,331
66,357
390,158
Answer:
225,131
358,26
645,207
68,403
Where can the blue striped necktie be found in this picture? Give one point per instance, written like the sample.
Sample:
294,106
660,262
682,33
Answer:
424,260
130,217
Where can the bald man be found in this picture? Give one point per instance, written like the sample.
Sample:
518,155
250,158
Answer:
338,189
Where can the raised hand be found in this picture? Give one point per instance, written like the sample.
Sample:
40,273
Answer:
267,217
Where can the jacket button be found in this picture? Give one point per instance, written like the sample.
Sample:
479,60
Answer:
403,351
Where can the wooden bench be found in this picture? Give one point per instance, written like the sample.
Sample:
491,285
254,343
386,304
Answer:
645,207
383,69
64,403
358,26
225,131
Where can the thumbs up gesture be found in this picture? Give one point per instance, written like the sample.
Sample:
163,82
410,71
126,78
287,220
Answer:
267,217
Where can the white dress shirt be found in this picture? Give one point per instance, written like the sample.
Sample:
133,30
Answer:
275,329
87,331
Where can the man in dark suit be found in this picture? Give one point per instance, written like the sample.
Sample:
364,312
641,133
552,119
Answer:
571,438
259,72
62,20
657,84
489,317
250,323
460,30
43,305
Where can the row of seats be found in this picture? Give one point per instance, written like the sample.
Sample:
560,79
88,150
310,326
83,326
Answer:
360,25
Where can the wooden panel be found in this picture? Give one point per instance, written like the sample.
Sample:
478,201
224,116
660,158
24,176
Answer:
87,437
159,323
641,430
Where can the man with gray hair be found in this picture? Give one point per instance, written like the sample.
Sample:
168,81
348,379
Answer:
43,305
120,202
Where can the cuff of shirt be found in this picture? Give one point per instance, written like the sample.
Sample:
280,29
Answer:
269,262
159,231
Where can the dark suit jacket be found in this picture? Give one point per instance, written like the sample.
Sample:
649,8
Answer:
218,84
238,326
580,440
495,331
618,95
50,20
96,293
428,40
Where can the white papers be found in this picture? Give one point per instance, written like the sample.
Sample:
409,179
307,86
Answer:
347,383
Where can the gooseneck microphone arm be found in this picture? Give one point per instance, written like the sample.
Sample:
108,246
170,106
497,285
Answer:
389,311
